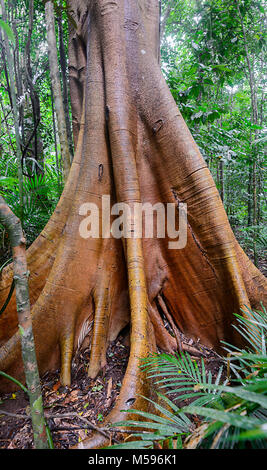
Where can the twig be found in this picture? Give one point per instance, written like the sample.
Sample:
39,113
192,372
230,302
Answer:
13,415
89,424
192,350
170,320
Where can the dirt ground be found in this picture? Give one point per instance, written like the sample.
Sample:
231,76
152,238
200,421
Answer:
72,411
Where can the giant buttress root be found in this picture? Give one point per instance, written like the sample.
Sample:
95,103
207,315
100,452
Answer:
134,146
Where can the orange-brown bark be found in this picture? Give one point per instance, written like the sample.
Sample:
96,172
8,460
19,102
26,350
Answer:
133,145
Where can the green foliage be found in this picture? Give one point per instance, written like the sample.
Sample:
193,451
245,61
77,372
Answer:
252,361
42,181
168,426
180,371
232,416
41,193
204,60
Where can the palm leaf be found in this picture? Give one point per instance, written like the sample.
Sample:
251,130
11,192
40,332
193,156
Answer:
234,419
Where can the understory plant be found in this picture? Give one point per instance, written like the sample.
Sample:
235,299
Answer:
40,196
225,413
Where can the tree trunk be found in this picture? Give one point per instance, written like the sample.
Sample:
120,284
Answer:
133,145
18,244
54,73
63,65
250,177
55,142
15,113
36,112
254,116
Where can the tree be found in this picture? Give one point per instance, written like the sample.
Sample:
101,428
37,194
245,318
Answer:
207,61
18,242
54,72
132,144
14,110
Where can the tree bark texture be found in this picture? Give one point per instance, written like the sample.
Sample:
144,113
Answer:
65,94
55,80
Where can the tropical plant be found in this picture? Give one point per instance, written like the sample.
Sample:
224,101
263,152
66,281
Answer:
234,413
41,193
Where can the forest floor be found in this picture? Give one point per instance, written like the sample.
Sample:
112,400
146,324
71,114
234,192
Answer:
72,412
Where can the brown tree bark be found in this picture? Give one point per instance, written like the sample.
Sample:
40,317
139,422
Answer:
132,144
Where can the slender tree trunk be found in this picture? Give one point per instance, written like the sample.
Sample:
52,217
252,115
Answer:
18,244
55,141
7,128
254,114
54,73
221,180
63,65
15,112
5,67
255,211
18,79
38,146
170,5
261,162
250,176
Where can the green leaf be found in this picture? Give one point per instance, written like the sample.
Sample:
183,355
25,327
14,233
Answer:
231,418
165,430
8,31
132,445
8,181
222,67
3,374
240,392
257,433
261,8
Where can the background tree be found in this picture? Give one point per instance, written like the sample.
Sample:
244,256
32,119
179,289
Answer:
212,56
56,87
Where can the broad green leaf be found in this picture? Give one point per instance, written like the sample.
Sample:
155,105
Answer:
231,418
8,31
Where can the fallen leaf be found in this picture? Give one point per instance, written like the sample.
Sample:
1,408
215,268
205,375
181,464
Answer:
72,396
56,386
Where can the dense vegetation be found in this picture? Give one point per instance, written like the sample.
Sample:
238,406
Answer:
213,59
233,413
